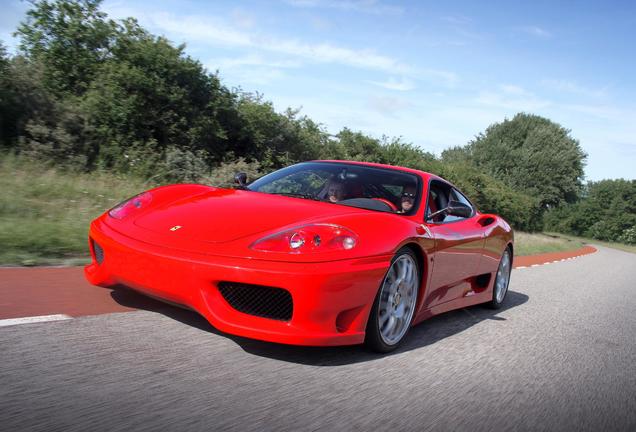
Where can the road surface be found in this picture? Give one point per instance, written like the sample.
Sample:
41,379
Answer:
560,356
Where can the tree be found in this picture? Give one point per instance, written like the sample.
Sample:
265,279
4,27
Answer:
70,38
23,98
274,139
149,94
531,154
5,105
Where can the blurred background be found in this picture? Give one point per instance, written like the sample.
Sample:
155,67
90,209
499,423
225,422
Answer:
527,107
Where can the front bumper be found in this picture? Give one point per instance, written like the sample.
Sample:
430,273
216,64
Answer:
331,300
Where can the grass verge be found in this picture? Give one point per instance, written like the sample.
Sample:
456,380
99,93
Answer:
45,212
537,243
584,240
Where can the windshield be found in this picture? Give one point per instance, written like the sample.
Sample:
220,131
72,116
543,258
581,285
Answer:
360,186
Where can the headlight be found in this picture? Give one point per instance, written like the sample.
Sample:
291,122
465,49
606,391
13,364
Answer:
308,239
131,205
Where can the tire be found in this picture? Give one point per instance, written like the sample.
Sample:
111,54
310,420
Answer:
394,305
502,280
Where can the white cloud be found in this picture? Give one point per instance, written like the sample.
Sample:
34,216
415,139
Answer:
194,28
394,84
254,75
249,60
458,20
243,18
211,32
513,89
367,6
566,86
536,31
388,105
605,112
450,79
251,68
512,97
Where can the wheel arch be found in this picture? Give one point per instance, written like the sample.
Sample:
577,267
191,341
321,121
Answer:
422,260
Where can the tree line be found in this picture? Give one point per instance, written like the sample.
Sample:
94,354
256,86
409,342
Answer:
85,92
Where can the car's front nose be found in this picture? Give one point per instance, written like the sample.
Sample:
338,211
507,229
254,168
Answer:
324,303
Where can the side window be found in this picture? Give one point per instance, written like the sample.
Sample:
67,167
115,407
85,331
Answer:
437,200
439,196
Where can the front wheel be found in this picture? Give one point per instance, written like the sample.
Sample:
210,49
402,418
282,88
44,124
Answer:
502,280
395,302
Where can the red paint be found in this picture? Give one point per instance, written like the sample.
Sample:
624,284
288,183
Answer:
332,291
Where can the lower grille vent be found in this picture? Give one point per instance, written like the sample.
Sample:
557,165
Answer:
257,300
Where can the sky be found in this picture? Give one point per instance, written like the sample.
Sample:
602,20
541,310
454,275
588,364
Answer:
434,73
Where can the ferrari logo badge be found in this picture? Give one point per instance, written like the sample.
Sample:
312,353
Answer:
176,227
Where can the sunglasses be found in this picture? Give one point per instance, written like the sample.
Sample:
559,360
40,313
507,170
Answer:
408,195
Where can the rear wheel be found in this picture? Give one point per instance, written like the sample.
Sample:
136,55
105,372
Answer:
502,280
395,302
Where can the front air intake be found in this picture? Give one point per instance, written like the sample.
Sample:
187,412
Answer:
98,252
257,300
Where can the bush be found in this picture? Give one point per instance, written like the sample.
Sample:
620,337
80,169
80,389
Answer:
628,236
184,166
223,175
606,212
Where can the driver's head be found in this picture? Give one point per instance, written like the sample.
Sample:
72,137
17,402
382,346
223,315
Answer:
408,198
335,191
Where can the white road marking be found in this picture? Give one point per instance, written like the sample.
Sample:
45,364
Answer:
34,319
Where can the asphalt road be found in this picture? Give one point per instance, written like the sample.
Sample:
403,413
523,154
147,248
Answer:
560,356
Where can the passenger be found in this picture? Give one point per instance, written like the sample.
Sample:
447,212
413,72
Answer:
408,199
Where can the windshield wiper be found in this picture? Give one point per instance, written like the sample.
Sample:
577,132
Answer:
296,195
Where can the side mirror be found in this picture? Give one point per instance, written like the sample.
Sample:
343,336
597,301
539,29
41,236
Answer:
456,208
241,179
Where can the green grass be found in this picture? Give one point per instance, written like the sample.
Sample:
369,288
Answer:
537,243
45,213
584,240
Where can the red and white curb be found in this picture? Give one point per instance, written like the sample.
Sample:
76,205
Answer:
549,262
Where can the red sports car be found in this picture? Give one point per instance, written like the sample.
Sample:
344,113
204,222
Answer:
318,253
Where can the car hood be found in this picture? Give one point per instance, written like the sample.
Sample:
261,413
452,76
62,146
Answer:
224,215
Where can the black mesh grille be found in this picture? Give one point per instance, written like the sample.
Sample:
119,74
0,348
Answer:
262,301
99,252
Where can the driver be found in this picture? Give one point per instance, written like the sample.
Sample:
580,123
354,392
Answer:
407,199
335,191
